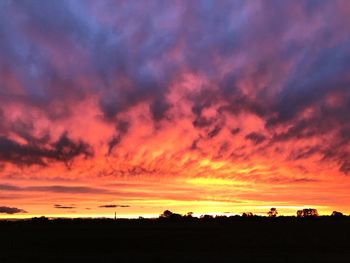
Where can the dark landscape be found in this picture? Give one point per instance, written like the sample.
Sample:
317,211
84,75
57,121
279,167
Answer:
220,239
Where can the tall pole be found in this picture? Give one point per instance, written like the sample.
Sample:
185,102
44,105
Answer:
115,215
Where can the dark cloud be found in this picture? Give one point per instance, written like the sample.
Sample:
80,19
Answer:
194,145
224,148
36,152
11,210
55,189
65,189
134,67
339,154
320,73
300,129
158,108
201,122
276,180
328,122
122,128
65,149
255,137
345,166
303,153
113,206
8,187
214,131
235,131
63,206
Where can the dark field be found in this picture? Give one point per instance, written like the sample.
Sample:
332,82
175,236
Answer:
236,239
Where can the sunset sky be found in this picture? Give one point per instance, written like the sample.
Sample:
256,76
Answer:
134,107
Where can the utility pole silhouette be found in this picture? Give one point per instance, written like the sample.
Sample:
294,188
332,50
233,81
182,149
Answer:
115,215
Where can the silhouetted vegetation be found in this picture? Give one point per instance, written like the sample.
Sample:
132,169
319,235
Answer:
273,212
337,214
176,238
247,214
170,215
308,212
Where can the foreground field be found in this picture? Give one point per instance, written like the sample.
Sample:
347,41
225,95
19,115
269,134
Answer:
215,240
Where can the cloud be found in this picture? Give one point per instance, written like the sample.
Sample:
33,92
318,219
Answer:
35,152
11,210
63,206
345,167
122,128
255,137
211,63
303,153
235,131
55,189
113,206
214,132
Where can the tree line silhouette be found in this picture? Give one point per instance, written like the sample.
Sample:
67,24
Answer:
304,213
168,215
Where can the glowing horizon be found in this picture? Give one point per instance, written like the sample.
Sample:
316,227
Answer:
209,107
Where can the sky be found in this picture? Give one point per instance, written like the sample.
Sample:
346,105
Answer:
210,107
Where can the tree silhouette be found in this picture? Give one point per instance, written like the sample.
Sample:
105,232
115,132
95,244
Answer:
167,214
247,214
337,214
273,212
189,214
300,213
307,212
